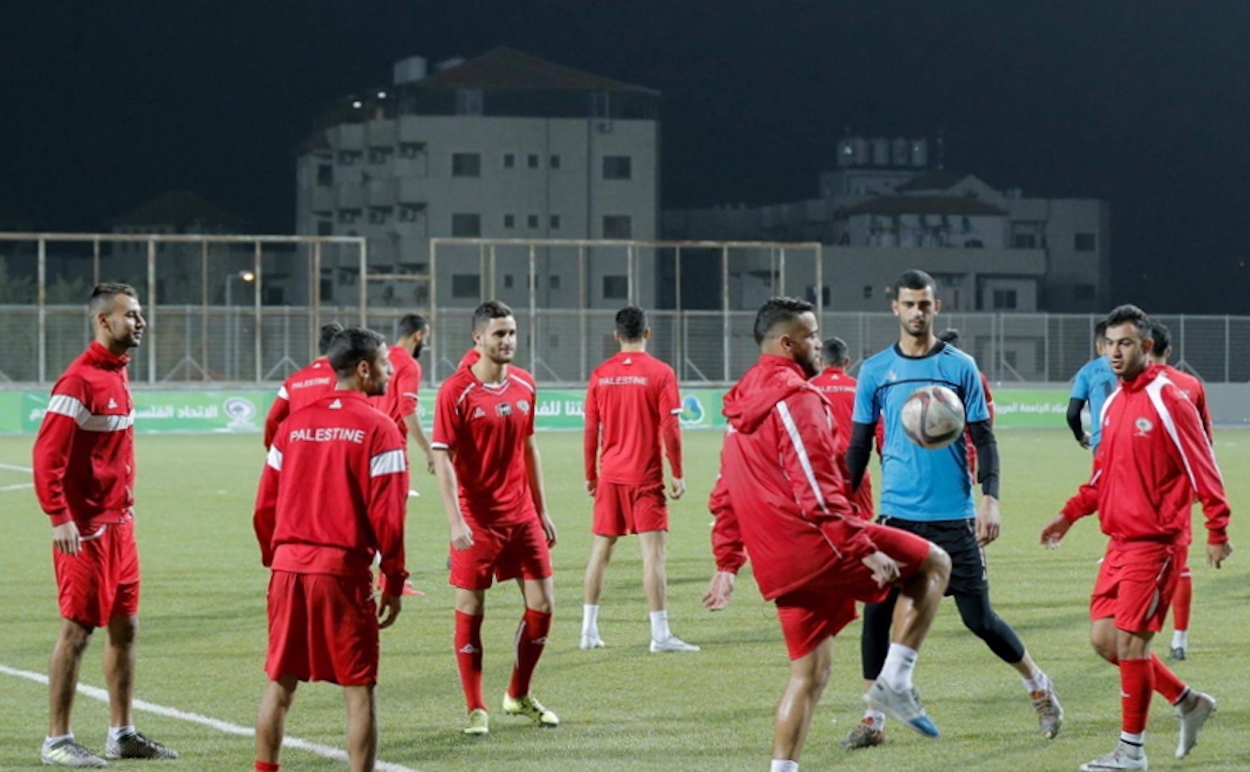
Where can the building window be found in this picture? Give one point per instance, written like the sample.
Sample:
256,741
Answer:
1086,242
325,175
379,155
615,287
867,292
507,281
411,149
531,221
617,226
1004,300
509,221
466,165
1024,241
325,228
555,222
379,215
1084,292
466,285
349,157
509,160
469,101
555,162
466,225
553,281
617,167
532,161
409,212
349,215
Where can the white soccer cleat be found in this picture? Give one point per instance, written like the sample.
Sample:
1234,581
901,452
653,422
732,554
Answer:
68,753
1193,711
592,641
671,643
902,705
1115,761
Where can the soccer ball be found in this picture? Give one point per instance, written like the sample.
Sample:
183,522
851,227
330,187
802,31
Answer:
933,417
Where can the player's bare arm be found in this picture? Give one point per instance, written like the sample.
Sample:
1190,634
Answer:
989,522
534,464
65,537
461,535
719,591
423,442
1054,532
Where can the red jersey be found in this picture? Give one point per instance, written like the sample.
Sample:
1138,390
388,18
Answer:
334,492
632,407
1152,461
400,399
84,454
486,426
300,390
1192,388
780,495
970,448
839,389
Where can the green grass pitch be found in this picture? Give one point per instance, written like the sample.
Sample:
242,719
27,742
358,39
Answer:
202,637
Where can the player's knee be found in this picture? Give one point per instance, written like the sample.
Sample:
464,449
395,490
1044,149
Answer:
938,562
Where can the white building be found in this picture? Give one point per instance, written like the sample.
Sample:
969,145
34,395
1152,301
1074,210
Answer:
503,145
884,210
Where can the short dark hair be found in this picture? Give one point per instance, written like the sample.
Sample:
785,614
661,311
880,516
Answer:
328,331
1162,337
631,322
491,309
915,279
410,324
102,295
1100,328
351,346
778,310
1130,314
950,335
833,350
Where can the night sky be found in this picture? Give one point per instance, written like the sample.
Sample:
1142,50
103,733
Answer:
1145,103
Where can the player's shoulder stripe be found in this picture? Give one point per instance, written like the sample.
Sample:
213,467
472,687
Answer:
387,462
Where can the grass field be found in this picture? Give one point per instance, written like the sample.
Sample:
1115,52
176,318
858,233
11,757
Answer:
202,637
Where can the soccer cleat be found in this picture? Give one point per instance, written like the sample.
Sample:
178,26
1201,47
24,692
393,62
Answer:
68,753
1193,711
864,735
592,641
902,705
1049,711
1179,653
479,723
1115,760
136,746
671,643
530,708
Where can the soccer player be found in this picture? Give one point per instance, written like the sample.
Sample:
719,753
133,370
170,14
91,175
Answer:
1094,382
632,408
304,386
400,400
332,495
84,462
1151,463
490,479
929,492
1191,387
839,389
780,500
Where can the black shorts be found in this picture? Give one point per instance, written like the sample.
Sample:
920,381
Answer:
959,539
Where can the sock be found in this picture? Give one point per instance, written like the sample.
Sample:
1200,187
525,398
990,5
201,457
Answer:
659,626
875,717
1038,683
531,639
784,765
1131,744
1169,685
48,742
590,619
1181,601
118,732
1136,687
265,766
468,642
1180,639
899,664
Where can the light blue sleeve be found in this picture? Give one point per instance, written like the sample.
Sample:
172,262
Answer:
1080,384
975,408
866,407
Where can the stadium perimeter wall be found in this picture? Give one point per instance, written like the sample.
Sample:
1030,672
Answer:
243,411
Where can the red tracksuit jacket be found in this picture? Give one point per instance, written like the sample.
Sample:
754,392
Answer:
334,492
780,497
1153,460
84,454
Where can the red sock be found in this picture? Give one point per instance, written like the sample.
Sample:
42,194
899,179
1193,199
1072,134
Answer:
1136,687
531,639
265,766
1182,599
469,658
1169,685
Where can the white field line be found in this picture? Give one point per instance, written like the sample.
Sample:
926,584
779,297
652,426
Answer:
225,727
15,468
19,486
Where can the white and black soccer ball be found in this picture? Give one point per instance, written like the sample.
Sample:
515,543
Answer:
933,417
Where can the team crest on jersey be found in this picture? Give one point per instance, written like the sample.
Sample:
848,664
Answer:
503,409
524,406
1144,427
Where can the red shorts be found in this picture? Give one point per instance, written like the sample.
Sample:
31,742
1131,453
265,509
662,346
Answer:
621,510
1135,587
322,628
501,552
102,580
826,604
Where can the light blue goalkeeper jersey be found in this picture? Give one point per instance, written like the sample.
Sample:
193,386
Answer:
920,484
1094,382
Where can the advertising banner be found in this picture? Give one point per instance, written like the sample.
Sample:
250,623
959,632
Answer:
168,411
